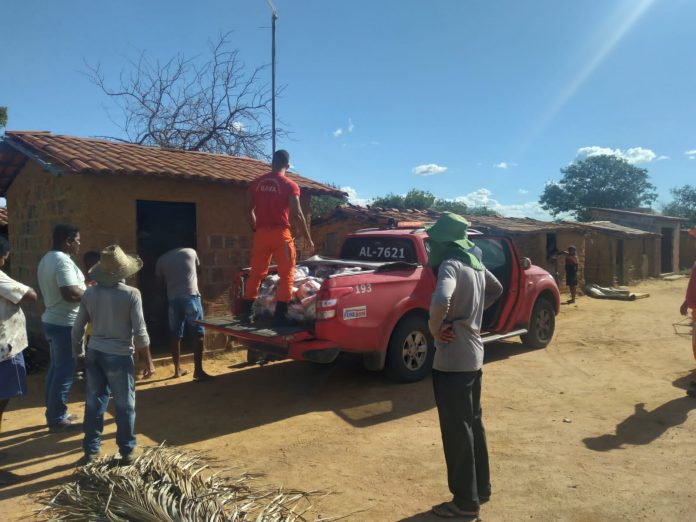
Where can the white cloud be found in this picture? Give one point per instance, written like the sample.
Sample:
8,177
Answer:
662,158
429,169
238,126
350,125
633,155
482,198
374,143
501,165
522,191
338,132
353,198
691,154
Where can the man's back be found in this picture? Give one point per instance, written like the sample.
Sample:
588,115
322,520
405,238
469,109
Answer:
271,193
461,295
56,270
178,269
115,313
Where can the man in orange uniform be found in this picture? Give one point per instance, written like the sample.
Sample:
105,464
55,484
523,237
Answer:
690,302
272,200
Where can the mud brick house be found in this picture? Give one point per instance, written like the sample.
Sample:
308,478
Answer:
687,250
618,255
665,254
146,199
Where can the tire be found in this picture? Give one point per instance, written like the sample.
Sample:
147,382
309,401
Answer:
542,325
411,350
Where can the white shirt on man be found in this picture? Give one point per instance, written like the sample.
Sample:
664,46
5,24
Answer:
58,270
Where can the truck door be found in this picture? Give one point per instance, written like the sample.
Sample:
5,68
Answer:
500,258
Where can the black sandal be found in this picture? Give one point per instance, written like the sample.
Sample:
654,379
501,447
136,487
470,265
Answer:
451,510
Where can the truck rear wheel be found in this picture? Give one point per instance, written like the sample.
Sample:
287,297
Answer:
542,324
411,350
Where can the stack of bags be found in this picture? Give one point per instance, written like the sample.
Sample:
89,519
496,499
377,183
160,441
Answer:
303,305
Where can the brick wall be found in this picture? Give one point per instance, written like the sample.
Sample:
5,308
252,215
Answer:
36,202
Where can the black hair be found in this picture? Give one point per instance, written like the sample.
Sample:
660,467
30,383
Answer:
62,233
281,159
4,246
91,258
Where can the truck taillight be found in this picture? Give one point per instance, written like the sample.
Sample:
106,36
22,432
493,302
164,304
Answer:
327,301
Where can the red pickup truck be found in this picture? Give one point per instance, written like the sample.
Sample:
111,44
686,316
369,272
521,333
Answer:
379,309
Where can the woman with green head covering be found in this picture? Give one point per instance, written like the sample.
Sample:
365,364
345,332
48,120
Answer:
464,289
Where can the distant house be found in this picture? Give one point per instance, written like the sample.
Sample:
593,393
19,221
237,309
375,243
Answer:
664,255
618,255
146,199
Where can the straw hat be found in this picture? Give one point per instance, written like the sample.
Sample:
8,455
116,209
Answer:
114,265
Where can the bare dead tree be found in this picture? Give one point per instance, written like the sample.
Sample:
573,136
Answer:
206,104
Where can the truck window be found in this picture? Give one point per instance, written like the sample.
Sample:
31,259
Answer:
379,249
494,253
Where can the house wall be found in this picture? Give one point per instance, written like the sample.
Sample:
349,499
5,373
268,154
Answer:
600,259
687,250
650,223
104,207
328,237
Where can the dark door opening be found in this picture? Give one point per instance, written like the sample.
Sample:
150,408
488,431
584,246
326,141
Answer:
619,262
666,249
162,226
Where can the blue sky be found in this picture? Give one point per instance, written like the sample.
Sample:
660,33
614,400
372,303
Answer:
479,100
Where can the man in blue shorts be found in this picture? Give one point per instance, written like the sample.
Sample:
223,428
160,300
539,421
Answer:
178,269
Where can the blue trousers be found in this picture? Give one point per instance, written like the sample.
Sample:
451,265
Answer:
59,378
116,374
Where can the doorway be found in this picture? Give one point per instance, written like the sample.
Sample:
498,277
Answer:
666,249
161,226
619,269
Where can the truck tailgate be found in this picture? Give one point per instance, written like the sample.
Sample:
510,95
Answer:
279,336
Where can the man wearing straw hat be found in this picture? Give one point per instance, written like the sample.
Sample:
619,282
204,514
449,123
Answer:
464,289
118,329
690,302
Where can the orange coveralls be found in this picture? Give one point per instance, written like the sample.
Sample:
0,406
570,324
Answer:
279,244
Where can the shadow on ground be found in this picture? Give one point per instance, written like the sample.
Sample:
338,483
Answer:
643,426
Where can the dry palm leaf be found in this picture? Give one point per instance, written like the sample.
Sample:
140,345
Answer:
170,485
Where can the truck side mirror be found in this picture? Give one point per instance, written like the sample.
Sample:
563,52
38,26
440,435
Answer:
526,263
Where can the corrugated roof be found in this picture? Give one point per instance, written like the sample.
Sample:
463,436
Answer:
614,229
634,212
376,215
506,225
89,156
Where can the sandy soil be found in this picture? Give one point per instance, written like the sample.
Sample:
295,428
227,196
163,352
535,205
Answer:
595,427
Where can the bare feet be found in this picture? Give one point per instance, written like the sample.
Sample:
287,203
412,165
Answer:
179,372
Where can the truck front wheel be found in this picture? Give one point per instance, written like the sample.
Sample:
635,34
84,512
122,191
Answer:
411,350
541,325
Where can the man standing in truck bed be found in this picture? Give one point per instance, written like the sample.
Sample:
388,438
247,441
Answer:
273,198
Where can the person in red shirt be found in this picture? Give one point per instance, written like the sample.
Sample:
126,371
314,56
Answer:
690,302
273,200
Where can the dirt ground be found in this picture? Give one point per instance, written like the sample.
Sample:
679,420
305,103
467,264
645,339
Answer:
595,427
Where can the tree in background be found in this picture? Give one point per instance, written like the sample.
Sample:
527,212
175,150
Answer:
210,105
322,205
598,181
424,200
3,117
684,204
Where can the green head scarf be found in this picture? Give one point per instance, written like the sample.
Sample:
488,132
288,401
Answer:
448,240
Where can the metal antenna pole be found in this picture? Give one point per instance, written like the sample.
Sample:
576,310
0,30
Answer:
274,17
